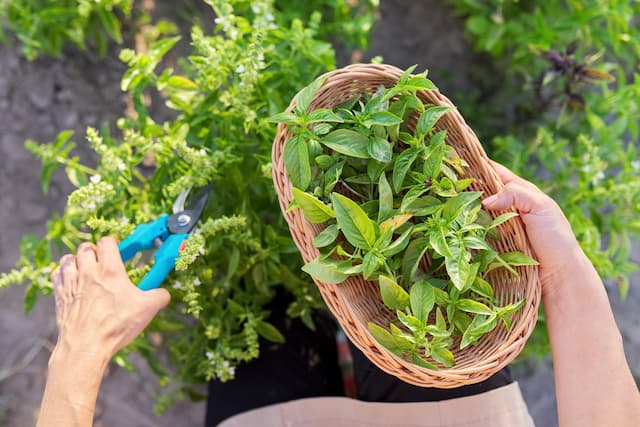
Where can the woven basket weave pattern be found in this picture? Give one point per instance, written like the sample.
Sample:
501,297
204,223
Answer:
356,302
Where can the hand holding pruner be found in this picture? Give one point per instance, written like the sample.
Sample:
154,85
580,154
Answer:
169,233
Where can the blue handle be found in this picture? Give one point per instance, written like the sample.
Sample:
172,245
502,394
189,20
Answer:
164,262
143,237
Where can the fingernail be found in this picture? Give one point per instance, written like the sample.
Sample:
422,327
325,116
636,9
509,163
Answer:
490,200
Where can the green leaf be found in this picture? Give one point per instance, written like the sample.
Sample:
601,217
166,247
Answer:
511,308
370,264
380,149
411,196
443,355
324,115
411,322
386,198
482,287
412,256
384,338
438,242
401,167
428,119
422,299
454,206
180,82
419,83
398,245
347,142
383,118
517,259
326,270
313,209
269,332
285,117
419,361
296,162
353,222
305,96
471,306
502,218
326,236
393,295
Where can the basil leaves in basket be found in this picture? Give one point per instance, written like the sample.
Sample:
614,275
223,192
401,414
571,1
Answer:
395,202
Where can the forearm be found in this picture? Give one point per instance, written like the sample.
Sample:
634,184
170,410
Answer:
72,388
594,385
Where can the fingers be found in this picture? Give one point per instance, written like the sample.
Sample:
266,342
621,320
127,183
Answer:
524,198
86,258
109,255
56,279
69,271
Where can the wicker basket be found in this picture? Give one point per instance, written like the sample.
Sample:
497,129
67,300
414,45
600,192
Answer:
356,302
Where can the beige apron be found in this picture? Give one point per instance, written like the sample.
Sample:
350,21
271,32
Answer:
502,407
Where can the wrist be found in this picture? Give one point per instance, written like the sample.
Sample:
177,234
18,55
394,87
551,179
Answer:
66,355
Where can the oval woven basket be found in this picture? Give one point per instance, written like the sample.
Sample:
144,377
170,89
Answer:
356,302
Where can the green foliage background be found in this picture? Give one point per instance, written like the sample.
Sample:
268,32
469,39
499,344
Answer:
543,106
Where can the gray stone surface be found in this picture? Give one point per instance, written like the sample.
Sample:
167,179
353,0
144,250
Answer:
41,98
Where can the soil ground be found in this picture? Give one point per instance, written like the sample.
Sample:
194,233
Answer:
38,99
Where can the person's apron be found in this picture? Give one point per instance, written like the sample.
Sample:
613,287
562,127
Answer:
502,407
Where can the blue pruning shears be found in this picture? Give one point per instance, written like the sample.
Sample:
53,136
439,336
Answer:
169,232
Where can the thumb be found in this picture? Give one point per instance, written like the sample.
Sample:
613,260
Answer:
157,299
524,199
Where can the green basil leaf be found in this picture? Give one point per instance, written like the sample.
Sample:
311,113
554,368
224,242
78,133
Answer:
419,361
438,242
398,245
454,206
401,166
313,209
386,198
422,299
458,268
471,306
324,115
296,162
518,258
326,270
411,322
419,83
474,242
326,236
354,223
305,96
502,218
269,332
511,308
370,264
443,355
411,196
284,117
428,119
393,295
380,149
461,321
412,256
383,118
384,338
482,287
347,142
322,129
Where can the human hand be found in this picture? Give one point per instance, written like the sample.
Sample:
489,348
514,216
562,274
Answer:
98,309
548,230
